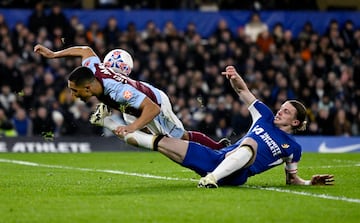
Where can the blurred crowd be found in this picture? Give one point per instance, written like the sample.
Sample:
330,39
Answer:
205,5
321,70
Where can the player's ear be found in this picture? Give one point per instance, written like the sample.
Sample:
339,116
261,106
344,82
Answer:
295,122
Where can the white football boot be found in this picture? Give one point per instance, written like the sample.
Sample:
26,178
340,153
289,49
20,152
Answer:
208,181
101,111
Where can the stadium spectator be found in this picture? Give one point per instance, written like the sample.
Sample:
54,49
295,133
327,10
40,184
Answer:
265,41
38,18
305,59
281,90
94,34
75,32
278,34
7,97
347,33
221,28
207,125
342,124
306,32
57,20
150,33
223,129
255,26
240,119
43,124
131,35
170,32
267,144
355,121
111,33
190,31
6,126
22,123
3,21
11,75
324,120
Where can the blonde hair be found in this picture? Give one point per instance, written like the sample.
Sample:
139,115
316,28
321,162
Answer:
300,114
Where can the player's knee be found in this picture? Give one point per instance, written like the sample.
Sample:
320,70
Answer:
248,148
186,136
251,153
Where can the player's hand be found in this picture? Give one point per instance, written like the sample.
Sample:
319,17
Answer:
123,130
230,72
322,179
44,51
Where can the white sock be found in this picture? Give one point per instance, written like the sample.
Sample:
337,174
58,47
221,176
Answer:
233,162
140,139
111,124
136,138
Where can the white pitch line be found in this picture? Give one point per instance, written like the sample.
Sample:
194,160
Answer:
119,172
324,196
334,166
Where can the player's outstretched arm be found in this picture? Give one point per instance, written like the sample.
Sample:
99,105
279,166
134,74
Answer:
149,110
239,85
75,51
318,179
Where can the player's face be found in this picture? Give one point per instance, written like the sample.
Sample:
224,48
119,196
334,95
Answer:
286,116
82,92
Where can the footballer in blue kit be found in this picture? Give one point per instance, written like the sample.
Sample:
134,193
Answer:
274,148
268,143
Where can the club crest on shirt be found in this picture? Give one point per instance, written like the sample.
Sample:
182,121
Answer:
87,63
285,146
127,95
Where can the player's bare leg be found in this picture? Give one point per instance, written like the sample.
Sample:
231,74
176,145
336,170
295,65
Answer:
173,148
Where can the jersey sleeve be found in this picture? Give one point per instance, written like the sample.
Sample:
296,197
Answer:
260,110
291,162
123,93
90,63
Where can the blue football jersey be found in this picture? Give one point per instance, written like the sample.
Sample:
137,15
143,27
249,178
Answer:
274,145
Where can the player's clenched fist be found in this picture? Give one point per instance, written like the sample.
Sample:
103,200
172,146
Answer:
44,51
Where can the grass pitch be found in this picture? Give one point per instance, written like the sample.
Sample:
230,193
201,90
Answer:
147,187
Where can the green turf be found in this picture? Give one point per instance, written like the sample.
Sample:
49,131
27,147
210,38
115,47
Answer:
75,188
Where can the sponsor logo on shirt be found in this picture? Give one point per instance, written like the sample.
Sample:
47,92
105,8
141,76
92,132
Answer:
274,148
116,76
122,107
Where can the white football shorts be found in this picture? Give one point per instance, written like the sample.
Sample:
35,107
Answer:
165,123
